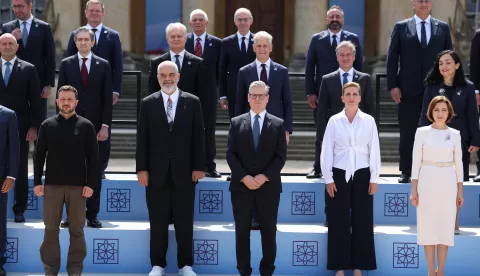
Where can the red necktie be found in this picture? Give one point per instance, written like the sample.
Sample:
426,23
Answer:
84,72
263,74
198,48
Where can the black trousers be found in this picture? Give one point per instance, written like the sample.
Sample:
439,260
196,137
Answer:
409,110
104,151
466,160
3,225
350,227
316,162
267,213
162,202
93,202
210,149
21,183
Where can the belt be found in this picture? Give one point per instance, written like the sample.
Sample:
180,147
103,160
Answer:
438,164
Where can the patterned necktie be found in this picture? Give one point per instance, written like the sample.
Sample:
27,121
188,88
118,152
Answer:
345,78
263,74
177,62
84,72
198,48
6,76
94,37
256,132
170,112
243,48
424,36
24,34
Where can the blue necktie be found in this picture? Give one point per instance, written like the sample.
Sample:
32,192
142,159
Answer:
256,132
7,73
177,62
345,79
243,48
423,39
24,34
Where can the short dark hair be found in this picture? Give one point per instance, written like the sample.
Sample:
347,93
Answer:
435,77
352,84
335,7
83,29
434,102
67,88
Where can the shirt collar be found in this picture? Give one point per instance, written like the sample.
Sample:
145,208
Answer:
11,61
350,72
29,21
247,36
89,56
99,27
339,34
182,54
202,36
359,114
267,63
173,97
61,118
253,114
418,20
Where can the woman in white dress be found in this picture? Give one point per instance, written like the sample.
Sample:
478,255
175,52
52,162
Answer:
437,182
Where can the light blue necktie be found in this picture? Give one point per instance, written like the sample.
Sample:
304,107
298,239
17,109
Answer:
6,76
345,78
256,131
24,34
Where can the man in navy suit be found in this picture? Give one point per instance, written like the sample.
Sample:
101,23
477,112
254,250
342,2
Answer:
107,46
36,46
237,51
322,60
416,42
19,92
475,78
91,76
9,160
207,47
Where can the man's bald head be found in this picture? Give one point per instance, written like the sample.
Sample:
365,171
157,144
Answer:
168,76
8,46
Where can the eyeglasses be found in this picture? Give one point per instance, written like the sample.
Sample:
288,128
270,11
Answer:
16,7
258,96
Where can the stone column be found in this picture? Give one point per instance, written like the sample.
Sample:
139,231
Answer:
309,19
117,17
391,11
207,6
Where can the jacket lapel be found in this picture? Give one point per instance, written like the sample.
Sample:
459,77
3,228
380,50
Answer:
250,44
434,25
76,68
206,46
33,30
190,45
337,82
264,132
247,127
181,107
161,110
93,68
14,71
412,29
101,38
253,74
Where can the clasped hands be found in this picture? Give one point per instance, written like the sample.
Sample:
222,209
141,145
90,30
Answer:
332,189
39,190
254,183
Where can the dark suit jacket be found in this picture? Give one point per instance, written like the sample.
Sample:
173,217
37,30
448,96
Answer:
321,59
211,59
475,60
330,102
9,144
280,100
270,158
182,149
465,109
415,62
109,48
230,63
22,96
40,49
95,100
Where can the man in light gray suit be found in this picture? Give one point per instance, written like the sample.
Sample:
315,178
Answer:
330,102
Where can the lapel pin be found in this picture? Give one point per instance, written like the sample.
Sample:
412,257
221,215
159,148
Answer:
105,31
356,76
275,69
441,91
18,65
36,25
459,92
210,44
97,62
189,63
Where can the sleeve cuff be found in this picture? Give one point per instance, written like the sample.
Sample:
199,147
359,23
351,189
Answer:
105,125
116,93
477,92
328,177
11,177
374,180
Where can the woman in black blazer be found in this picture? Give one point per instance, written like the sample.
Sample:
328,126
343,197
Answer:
446,78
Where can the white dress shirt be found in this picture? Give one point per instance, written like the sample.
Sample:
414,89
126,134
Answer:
97,33
174,98
428,27
260,120
180,58
350,146
29,23
4,67
88,62
267,67
339,35
247,40
202,40
349,77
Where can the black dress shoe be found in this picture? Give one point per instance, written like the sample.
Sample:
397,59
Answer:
64,224
404,178
255,224
213,174
314,174
325,223
94,223
2,272
103,176
19,218
476,178
229,177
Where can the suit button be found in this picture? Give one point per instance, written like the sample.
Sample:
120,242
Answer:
254,166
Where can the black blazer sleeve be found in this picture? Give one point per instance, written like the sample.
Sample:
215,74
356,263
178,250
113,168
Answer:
71,48
475,60
275,167
49,57
310,69
39,155
472,116
242,94
392,58
153,85
13,146
107,96
199,141
427,98
33,98
287,102
92,157
141,156
448,41
232,150
222,76
322,109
